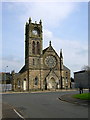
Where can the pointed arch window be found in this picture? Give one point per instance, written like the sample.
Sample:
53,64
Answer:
38,48
19,83
33,47
36,80
33,62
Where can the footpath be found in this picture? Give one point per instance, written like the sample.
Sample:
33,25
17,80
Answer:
11,92
69,98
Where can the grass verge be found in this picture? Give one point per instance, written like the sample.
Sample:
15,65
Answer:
83,96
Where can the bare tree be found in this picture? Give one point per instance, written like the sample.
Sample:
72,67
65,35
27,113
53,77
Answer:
86,67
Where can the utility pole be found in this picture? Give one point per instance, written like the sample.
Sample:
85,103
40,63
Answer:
5,79
40,74
61,62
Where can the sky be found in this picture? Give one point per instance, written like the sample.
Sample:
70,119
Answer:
65,24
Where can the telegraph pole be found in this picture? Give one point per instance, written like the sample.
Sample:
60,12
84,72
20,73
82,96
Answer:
5,79
61,59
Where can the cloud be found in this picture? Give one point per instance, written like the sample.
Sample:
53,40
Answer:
51,13
12,62
75,53
45,0
47,36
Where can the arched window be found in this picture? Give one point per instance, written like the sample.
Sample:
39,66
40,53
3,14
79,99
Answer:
18,83
36,80
33,47
33,62
38,48
24,79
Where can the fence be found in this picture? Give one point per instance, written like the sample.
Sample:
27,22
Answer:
5,87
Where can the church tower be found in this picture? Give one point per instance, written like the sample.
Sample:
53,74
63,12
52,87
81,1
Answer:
33,44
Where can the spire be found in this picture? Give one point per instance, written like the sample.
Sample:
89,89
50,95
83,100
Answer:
35,22
26,23
40,21
30,20
50,43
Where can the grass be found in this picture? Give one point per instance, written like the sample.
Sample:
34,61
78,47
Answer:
83,96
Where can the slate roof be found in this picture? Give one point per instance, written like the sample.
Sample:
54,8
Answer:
65,68
80,71
23,69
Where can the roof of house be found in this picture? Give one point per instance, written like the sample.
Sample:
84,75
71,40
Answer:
23,69
65,68
80,71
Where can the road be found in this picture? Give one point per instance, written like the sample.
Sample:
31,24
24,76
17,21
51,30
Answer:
44,105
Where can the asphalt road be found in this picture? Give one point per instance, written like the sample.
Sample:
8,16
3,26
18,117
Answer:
43,105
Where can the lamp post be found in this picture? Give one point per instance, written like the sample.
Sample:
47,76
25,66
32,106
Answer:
5,78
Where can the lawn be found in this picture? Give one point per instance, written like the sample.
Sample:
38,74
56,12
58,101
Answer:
83,96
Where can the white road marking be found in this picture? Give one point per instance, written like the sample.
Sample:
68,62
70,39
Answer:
18,114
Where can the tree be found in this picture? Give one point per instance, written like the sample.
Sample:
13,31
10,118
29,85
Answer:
86,67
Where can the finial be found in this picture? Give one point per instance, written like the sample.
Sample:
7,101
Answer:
26,23
50,43
30,20
13,72
61,50
40,21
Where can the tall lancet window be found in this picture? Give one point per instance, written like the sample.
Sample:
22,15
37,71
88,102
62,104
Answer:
33,47
36,80
38,48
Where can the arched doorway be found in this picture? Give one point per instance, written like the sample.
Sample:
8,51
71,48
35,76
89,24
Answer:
52,83
24,84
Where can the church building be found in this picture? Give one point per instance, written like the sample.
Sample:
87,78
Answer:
44,68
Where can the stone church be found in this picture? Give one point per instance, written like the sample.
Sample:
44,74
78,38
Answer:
43,69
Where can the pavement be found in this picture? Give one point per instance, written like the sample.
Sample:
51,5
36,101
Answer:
69,98
54,90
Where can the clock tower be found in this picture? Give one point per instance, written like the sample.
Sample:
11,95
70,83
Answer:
33,44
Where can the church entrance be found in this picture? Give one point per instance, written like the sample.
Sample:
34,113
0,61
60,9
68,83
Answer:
52,83
24,84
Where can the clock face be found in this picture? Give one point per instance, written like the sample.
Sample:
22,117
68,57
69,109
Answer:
50,61
35,32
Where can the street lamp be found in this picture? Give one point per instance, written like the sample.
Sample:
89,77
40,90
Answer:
5,78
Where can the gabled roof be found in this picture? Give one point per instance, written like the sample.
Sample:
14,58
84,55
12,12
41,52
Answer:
23,69
82,71
50,72
50,48
45,50
65,68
